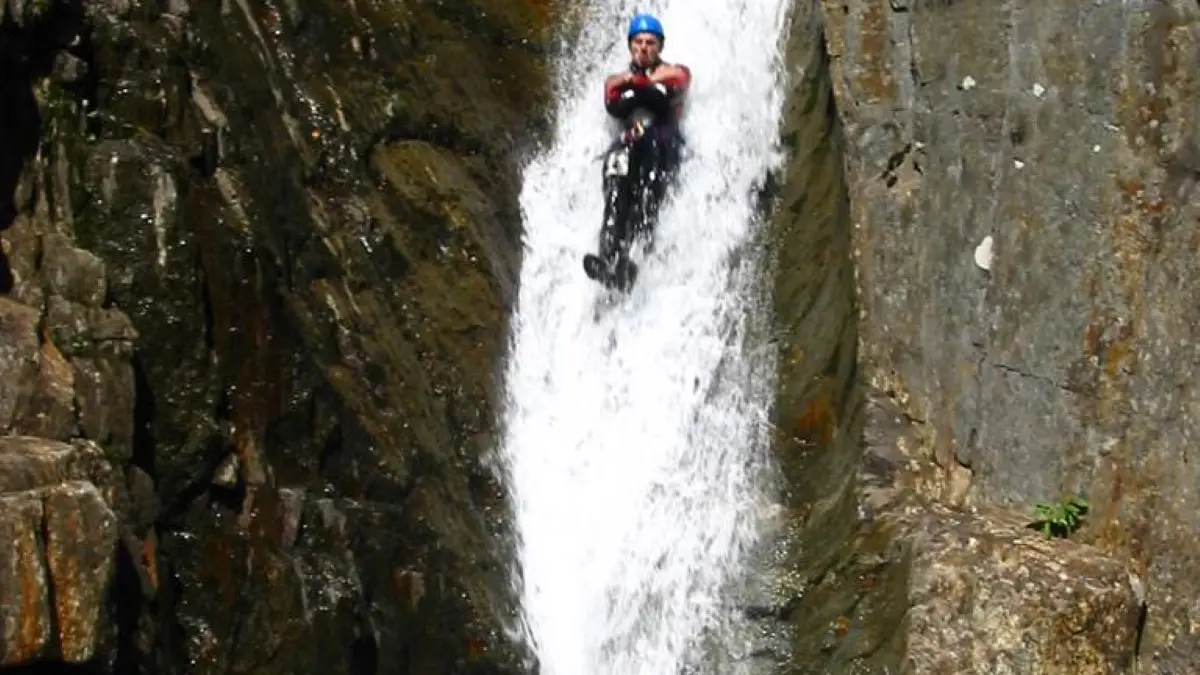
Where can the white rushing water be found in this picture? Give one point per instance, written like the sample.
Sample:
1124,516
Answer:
633,444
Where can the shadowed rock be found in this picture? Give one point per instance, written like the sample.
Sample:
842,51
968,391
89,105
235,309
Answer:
261,255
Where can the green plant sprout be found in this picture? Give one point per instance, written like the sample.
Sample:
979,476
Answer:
1059,519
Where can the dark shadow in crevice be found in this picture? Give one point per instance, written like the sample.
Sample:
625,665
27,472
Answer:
27,54
53,668
364,655
144,415
6,275
20,121
127,600
20,127
1141,631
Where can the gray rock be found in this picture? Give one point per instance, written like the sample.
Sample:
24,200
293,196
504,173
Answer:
19,357
71,272
1065,131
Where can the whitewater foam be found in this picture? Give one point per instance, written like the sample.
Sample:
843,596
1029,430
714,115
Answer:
634,444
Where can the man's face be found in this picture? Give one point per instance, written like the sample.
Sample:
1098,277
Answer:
644,48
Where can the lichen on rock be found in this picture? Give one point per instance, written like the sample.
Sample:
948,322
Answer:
57,574
1061,366
914,556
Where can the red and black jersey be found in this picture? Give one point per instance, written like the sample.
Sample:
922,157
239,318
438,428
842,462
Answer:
664,98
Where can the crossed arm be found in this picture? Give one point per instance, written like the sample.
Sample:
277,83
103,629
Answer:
675,77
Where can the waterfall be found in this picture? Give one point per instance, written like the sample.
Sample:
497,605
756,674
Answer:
635,439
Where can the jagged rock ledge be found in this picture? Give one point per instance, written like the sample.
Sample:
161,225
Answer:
985,592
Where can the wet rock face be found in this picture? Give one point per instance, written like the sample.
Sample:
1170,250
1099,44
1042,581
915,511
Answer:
259,255
817,414
1022,192
59,566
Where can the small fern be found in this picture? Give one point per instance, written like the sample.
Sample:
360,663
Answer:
1059,519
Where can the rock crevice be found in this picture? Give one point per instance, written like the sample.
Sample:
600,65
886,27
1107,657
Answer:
1019,216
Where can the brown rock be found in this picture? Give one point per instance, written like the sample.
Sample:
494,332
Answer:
55,576
79,330
104,393
71,272
1063,135
50,411
29,463
18,358
989,596
81,532
22,245
310,214
25,612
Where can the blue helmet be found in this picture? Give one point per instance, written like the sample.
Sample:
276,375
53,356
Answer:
646,23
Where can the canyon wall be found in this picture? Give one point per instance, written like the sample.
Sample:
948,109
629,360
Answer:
257,265
1023,223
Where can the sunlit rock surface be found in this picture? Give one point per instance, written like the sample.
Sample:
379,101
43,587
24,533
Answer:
1021,216
1012,184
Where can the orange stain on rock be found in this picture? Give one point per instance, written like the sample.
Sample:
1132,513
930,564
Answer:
814,425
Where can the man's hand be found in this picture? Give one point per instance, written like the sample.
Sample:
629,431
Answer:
618,80
677,77
665,72
625,79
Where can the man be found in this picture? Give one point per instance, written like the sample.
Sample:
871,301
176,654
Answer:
647,100
649,82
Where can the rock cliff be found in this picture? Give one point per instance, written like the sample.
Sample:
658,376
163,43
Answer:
257,259
256,264
1019,201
